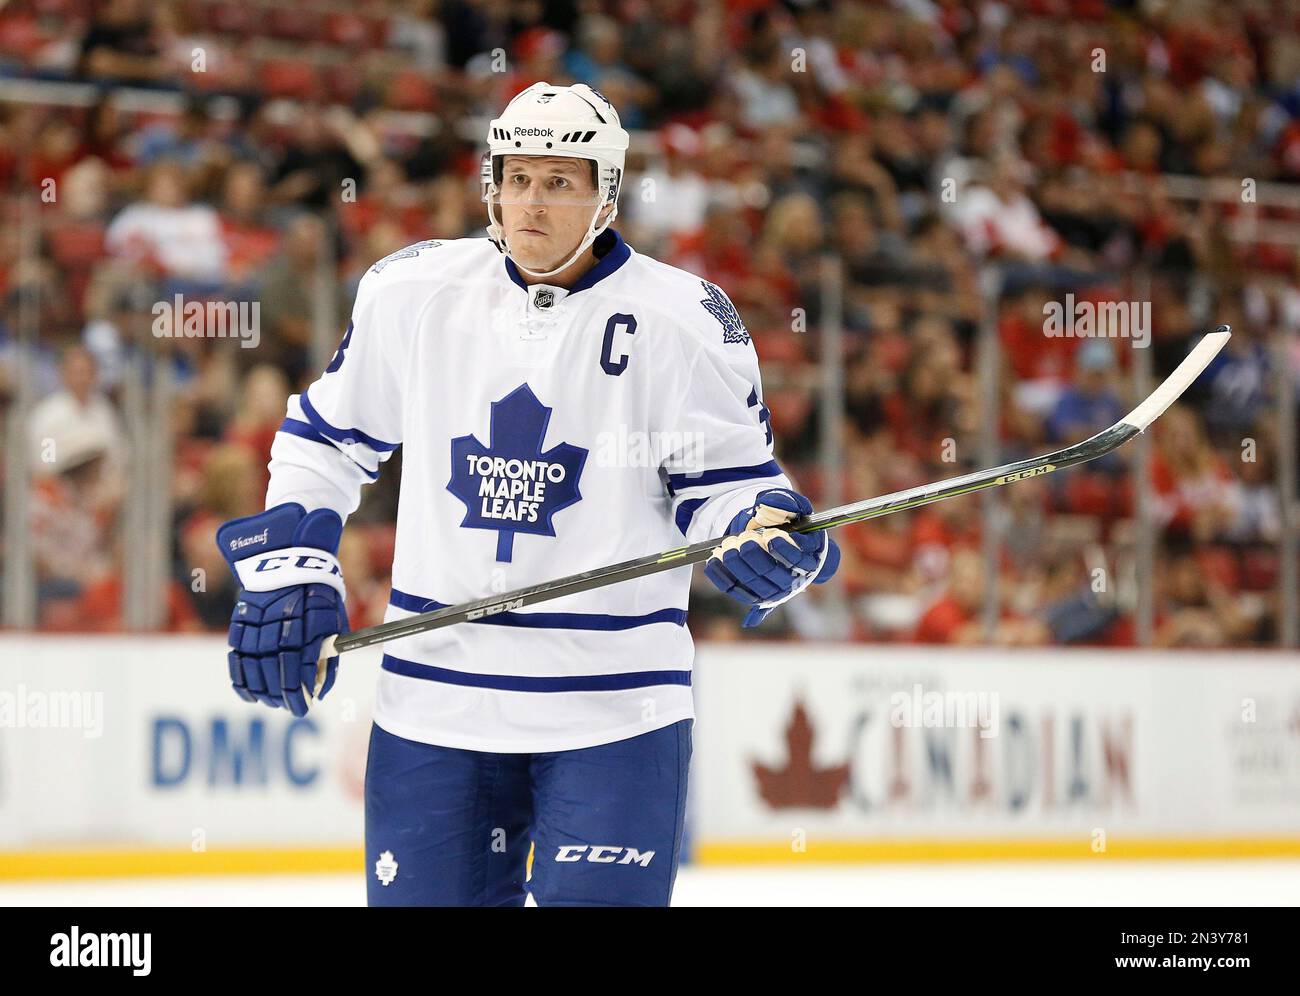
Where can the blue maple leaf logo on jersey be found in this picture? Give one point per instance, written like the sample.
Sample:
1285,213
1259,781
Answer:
720,307
511,486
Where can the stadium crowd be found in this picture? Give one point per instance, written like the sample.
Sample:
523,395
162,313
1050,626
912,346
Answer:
924,144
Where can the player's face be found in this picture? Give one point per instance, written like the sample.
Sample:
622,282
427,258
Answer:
546,205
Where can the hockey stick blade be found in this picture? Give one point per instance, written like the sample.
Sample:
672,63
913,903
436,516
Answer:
1096,446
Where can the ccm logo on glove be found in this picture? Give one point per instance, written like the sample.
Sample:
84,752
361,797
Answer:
292,565
292,600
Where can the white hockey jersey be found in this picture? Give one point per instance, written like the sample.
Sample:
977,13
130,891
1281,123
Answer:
544,432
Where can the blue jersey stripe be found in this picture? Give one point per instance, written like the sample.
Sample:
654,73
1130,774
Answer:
341,435
724,475
296,427
686,513
548,620
530,683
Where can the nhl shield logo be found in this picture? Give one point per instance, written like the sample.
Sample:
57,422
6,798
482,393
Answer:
545,298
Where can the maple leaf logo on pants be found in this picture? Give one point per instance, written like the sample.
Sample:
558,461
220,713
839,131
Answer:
511,485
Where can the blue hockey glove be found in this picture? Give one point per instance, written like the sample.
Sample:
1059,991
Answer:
762,566
292,598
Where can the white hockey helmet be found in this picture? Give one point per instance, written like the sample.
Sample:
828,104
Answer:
546,120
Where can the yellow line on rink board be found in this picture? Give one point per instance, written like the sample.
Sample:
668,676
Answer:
143,862
1001,849
133,863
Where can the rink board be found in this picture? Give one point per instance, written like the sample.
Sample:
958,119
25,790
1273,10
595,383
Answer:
915,753
130,756
172,773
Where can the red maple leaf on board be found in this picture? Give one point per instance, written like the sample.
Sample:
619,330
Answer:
799,782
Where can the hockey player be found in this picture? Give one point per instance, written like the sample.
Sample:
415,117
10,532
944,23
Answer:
563,402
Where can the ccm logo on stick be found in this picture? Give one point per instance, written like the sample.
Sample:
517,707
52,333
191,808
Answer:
604,854
491,610
1031,472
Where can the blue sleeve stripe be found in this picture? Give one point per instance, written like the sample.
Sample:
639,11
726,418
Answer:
548,620
686,512
296,427
531,683
341,435
725,475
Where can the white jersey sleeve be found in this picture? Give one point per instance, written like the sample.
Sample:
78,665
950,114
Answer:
725,457
342,428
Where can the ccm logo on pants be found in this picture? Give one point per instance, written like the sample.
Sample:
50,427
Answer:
604,854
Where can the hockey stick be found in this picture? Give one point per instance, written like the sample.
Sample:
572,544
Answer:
1090,449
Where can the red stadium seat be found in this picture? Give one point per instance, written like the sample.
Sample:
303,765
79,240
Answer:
292,24
69,9
77,283
1089,494
779,346
20,35
412,90
75,245
343,83
349,30
232,18
1259,569
1219,564
289,78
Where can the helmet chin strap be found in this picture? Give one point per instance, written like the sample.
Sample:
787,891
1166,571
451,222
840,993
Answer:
592,233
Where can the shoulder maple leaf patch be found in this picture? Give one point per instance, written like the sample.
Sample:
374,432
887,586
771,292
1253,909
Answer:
720,307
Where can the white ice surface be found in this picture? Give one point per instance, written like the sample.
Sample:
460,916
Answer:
1080,883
